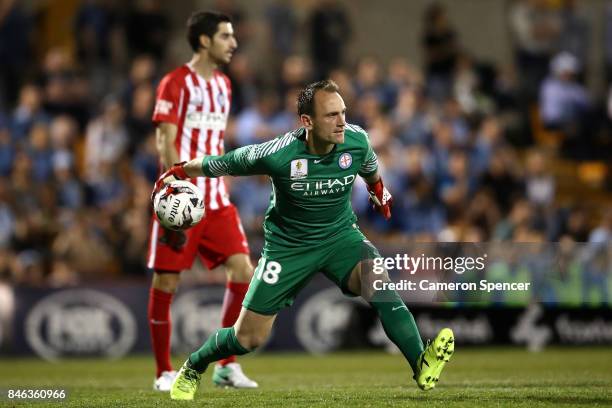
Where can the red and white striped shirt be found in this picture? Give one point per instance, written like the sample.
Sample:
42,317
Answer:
199,108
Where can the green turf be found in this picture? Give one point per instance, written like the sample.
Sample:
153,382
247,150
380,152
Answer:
474,378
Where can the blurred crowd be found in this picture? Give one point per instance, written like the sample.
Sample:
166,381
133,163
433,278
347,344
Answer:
457,138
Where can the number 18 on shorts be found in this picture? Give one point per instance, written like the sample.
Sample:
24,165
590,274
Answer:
268,271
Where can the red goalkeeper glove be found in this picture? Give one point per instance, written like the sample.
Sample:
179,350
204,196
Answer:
177,171
381,198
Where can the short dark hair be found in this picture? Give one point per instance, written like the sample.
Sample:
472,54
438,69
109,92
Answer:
305,99
203,23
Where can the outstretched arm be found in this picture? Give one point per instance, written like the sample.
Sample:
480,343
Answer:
244,161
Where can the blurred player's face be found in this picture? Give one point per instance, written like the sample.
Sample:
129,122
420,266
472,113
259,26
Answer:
329,119
223,44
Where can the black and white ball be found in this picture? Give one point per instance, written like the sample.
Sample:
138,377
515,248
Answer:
179,205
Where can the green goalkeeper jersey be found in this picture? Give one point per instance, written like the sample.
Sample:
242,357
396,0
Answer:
311,194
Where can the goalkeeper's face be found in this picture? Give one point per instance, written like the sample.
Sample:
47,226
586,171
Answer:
223,44
329,119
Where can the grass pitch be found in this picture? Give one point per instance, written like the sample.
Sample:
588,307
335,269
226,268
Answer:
473,378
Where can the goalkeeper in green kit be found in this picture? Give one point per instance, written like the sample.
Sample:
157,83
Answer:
309,228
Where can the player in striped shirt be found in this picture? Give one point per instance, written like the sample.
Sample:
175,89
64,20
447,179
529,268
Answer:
191,112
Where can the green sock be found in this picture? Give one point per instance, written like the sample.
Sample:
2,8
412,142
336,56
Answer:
399,324
221,344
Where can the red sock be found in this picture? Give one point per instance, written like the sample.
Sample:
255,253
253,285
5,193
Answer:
232,304
160,327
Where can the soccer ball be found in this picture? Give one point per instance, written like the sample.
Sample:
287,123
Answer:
179,205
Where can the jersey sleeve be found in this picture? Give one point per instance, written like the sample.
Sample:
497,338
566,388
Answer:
249,160
370,162
167,101
240,162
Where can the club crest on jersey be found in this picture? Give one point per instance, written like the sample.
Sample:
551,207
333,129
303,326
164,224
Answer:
345,160
299,169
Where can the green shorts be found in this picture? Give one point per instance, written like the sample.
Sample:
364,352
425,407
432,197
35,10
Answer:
282,272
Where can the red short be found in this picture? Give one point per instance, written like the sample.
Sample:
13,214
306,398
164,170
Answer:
218,236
